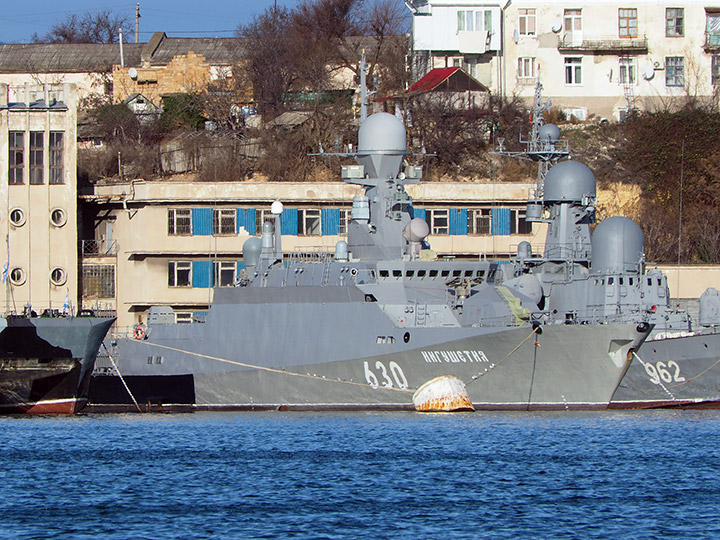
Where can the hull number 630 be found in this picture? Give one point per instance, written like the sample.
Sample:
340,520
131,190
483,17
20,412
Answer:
390,377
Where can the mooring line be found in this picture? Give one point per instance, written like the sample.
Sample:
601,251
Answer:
122,379
275,370
508,355
659,380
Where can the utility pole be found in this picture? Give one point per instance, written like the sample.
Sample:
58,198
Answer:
137,22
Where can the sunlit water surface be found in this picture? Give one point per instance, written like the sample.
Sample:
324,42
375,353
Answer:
375,475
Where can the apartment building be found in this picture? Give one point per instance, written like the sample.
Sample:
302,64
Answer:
598,59
38,187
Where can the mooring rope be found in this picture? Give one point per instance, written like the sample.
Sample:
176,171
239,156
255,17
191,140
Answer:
122,379
508,355
659,380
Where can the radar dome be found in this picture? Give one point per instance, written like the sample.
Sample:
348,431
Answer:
549,132
569,181
416,230
618,245
382,132
251,251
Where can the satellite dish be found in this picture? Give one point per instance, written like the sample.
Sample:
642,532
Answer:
648,72
556,26
133,73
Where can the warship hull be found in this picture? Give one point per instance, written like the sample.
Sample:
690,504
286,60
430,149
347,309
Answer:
345,354
672,372
46,363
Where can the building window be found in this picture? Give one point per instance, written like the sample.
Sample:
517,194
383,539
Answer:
224,222
17,217
183,317
674,22
627,23
573,71
674,71
572,24
627,70
17,276
518,224
58,217
57,175
716,69
479,221
261,216
526,67
309,222
179,221
344,220
98,281
474,21
526,22
713,29
58,276
36,157
17,152
179,273
438,221
224,273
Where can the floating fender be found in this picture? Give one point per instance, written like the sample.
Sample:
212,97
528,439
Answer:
446,393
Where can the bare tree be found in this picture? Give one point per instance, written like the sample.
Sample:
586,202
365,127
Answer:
91,27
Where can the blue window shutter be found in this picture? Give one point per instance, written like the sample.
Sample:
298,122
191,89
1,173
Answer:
246,220
201,274
289,221
330,219
240,266
500,221
202,221
458,221
419,213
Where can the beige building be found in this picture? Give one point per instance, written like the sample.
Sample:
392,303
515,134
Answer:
38,187
592,58
170,243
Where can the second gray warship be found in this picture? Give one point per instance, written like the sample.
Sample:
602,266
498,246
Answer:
366,326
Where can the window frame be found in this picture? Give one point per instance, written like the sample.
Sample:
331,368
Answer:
627,15
16,167
523,63
673,28
309,222
479,221
175,268
573,68
176,227
57,158
224,221
715,70
37,154
435,218
220,270
527,22
627,65
675,71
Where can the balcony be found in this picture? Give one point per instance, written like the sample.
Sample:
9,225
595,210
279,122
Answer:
98,248
712,42
603,45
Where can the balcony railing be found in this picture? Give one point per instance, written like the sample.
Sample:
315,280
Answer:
602,44
712,41
98,248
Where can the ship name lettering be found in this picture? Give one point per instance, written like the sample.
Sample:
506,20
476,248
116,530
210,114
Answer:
453,357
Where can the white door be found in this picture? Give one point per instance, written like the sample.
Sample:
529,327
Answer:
573,27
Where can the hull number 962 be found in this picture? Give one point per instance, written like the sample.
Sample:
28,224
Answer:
389,377
662,372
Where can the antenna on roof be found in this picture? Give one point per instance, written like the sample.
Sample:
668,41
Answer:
137,22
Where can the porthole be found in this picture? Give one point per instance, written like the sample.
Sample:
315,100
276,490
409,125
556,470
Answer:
58,276
17,217
17,276
58,217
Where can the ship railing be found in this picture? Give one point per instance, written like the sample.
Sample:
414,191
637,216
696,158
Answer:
308,255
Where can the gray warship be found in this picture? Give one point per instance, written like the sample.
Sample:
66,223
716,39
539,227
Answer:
366,326
602,276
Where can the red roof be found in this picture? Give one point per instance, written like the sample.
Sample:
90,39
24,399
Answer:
432,79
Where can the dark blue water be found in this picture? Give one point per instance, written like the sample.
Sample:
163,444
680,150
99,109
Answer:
296,475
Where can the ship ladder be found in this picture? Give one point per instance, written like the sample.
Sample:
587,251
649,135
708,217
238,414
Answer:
326,273
420,314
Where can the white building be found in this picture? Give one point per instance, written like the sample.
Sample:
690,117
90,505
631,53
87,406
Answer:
593,58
